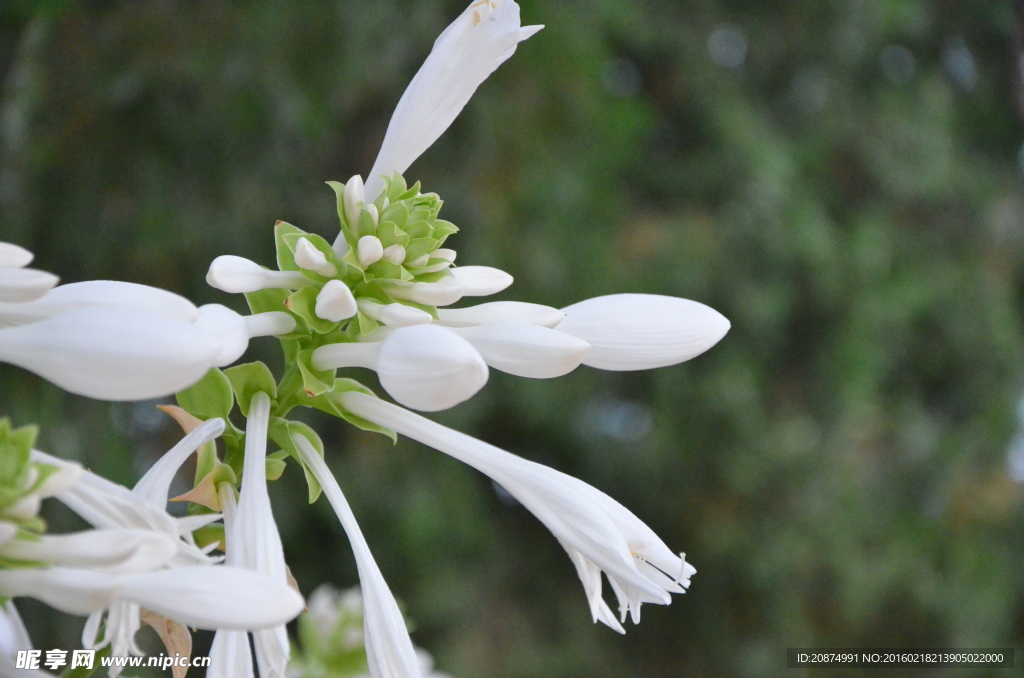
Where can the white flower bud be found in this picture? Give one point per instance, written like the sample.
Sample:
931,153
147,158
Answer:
394,315
395,253
13,256
112,353
482,281
369,250
335,302
420,261
643,331
353,199
526,350
374,214
237,274
500,311
307,256
269,324
25,284
444,253
441,293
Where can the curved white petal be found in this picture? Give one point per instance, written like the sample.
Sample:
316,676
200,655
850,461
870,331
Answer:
112,551
500,311
99,293
389,650
14,256
230,655
155,485
25,284
429,368
112,353
643,331
526,350
464,55
482,281
441,293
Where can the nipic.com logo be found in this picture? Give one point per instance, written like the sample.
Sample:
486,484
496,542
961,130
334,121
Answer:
32,660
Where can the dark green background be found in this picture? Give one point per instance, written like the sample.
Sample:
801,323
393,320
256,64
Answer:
835,468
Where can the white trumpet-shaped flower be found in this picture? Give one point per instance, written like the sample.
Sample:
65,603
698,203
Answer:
464,55
238,274
526,350
599,534
389,649
425,367
500,311
66,298
642,331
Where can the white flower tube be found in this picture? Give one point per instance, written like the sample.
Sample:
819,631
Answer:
69,297
464,55
642,331
254,535
112,551
598,533
440,293
482,281
389,650
112,353
25,284
500,311
526,350
14,256
425,367
237,274
394,315
218,597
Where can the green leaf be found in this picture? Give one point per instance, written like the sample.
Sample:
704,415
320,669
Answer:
275,465
413,192
365,226
208,398
263,301
420,246
366,324
442,229
249,379
418,229
385,269
390,234
303,304
281,432
15,448
315,382
210,534
331,403
397,213
285,252
395,186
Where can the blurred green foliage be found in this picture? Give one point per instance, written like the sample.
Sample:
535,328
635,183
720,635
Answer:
835,468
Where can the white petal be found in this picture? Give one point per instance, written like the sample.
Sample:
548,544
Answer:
358,354
99,293
394,315
389,650
643,331
68,473
111,551
309,257
155,485
590,576
369,250
228,328
269,324
24,508
429,368
464,55
25,284
482,281
112,353
236,274
13,634
13,256
335,302
500,311
395,253
73,591
441,293
230,655
526,350
353,199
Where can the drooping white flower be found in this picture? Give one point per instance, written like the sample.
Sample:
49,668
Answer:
500,311
73,296
426,367
642,331
598,533
526,350
464,55
389,649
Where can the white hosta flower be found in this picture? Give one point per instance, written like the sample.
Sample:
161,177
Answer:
237,274
335,302
394,315
464,55
14,256
440,293
218,597
234,330
526,350
389,650
425,367
112,551
369,250
642,331
482,281
500,311
598,533
25,284
73,296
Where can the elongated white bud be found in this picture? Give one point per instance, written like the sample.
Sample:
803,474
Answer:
112,353
441,293
310,258
395,253
25,284
444,253
526,350
335,302
353,199
269,324
228,327
348,354
113,551
482,281
643,331
394,315
99,293
500,311
13,256
369,250
238,275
